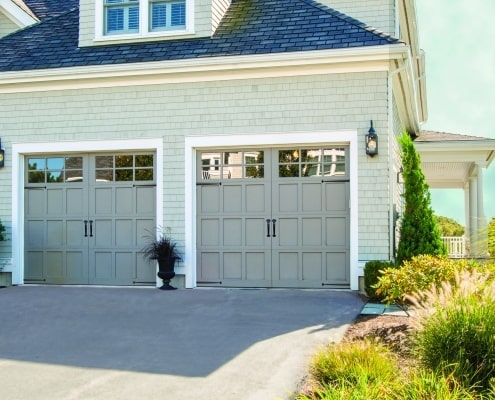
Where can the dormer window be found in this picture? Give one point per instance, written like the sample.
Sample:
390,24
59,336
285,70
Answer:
121,16
138,18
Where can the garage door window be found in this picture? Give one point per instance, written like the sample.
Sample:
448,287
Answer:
316,162
54,169
232,165
121,168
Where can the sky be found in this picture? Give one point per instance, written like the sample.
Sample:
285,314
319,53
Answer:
458,37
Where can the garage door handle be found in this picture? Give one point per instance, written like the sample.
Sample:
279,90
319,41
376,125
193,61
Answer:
274,222
90,228
85,228
267,228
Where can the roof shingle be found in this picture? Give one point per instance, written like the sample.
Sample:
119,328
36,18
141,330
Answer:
248,27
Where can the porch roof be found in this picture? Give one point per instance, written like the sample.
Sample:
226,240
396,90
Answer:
449,160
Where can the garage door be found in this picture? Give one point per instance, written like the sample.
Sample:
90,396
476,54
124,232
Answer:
86,216
273,218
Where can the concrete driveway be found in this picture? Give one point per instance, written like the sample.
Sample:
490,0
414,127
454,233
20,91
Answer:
59,342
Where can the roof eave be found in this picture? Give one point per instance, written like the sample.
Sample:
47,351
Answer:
382,55
18,15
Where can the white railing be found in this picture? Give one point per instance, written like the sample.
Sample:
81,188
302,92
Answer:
456,246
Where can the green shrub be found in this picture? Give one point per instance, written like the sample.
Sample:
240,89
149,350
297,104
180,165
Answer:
2,230
420,274
419,233
359,370
423,385
369,371
372,272
491,237
458,338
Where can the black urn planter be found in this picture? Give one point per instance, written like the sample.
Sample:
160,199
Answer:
166,271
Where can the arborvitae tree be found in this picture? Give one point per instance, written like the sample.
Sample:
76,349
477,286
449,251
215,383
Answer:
491,238
419,233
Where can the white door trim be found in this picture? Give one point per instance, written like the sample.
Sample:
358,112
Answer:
89,146
197,142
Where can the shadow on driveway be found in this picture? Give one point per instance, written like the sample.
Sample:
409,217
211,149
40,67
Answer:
185,332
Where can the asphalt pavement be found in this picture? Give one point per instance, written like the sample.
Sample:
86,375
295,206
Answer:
105,343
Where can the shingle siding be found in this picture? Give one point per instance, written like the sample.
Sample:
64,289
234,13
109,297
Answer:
6,26
171,111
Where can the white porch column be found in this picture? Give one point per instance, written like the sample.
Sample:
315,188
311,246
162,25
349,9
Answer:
473,214
482,224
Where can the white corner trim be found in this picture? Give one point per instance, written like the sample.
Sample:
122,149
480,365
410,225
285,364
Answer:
20,149
16,14
196,142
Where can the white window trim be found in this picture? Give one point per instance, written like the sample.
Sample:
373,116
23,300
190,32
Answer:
144,28
195,143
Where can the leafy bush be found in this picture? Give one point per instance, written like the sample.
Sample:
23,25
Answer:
491,237
372,272
420,274
456,329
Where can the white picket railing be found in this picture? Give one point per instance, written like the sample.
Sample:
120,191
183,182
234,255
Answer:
456,246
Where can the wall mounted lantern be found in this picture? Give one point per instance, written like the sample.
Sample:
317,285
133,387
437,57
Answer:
371,140
400,176
2,155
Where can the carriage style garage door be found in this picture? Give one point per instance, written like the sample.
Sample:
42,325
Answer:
85,218
273,217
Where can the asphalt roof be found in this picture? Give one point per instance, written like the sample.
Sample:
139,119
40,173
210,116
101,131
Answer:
433,136
248,27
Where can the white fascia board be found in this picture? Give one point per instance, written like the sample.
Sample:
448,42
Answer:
373,58
16,14
479,151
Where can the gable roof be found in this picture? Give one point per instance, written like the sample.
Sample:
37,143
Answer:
248,27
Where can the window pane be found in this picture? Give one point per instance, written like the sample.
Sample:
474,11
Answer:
55,163
36,177
123,161
104,176
158,15
123,175
178,14
144,160
115,19
55,176
73,162
133,19
287,171
104,161
36,164
255,171
74,176
144,175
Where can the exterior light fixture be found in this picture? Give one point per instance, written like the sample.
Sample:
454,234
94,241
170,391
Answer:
371,140
400,176
2,155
